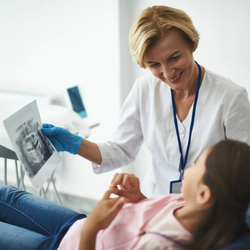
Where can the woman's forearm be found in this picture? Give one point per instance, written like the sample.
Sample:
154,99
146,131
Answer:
90,151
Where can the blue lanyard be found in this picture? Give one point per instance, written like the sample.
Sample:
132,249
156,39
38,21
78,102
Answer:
184,161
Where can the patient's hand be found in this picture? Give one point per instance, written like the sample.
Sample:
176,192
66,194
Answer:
100,218
105,210
129,187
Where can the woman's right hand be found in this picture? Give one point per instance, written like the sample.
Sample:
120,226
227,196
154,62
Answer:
129,187
62,139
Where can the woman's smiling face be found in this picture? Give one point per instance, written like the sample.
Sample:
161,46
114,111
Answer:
171,60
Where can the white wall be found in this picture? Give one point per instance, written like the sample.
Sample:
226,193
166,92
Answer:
49,45
224,48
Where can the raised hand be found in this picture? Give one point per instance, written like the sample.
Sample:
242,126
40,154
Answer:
127,186
100,218
105,210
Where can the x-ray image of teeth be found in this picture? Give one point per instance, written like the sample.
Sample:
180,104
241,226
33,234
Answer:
34,147
34,150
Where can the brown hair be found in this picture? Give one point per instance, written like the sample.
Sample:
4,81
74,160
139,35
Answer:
227,175
152,25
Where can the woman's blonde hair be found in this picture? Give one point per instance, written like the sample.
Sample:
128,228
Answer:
152,25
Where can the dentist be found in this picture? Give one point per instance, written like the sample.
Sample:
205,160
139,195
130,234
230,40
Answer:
178,109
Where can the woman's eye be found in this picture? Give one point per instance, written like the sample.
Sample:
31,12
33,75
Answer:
175,58
155,65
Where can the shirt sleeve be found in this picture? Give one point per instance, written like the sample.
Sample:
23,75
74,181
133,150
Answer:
237,120
127,138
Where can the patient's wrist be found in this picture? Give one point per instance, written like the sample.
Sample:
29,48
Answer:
90,226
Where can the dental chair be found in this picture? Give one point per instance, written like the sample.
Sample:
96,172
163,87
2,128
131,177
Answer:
8,154
243,243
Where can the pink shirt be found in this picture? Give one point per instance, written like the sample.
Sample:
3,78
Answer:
154,215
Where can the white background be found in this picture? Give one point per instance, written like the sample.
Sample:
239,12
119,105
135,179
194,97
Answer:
47,46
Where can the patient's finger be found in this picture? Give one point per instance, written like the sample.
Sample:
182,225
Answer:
113,190
114,178
117,180
118,205
126,182
130,182
123,180
124,194
107,194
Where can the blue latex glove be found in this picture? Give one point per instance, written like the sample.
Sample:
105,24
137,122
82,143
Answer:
62,139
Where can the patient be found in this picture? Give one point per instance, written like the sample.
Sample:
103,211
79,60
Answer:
209,214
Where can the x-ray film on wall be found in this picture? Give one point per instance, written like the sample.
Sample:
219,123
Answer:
35,152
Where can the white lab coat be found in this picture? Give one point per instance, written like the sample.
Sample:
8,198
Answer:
223,111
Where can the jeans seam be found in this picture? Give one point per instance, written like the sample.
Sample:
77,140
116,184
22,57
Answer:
26,216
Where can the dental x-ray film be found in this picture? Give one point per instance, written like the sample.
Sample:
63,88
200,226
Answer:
34,150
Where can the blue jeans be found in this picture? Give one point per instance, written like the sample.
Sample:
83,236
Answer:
30,222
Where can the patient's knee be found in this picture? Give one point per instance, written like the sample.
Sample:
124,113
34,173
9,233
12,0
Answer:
6,191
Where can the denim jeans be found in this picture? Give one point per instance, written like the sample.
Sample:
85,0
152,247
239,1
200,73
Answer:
30,222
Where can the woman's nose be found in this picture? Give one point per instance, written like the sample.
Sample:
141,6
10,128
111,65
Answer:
167,72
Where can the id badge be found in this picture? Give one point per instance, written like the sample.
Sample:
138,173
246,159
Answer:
175,187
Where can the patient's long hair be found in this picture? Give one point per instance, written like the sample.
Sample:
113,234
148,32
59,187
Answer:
228,177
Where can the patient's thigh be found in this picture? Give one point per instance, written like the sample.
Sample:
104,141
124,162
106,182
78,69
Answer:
14,238
26,210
